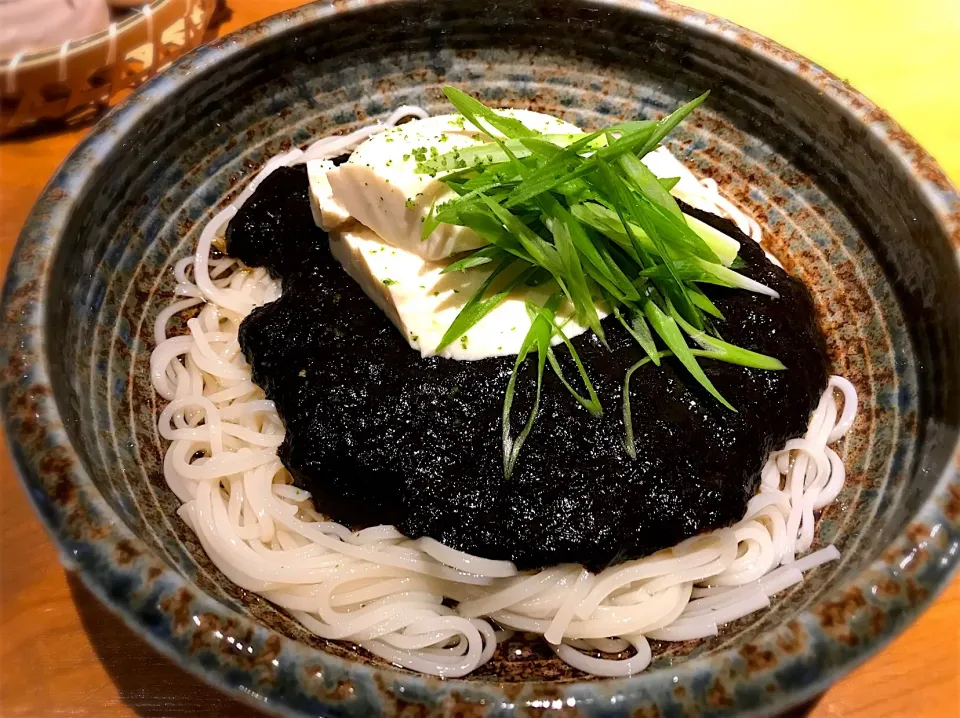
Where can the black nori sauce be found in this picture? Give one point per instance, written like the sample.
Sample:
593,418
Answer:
380,435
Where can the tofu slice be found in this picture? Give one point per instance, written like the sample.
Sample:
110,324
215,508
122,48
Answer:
327,213
380,188
373,208
422,302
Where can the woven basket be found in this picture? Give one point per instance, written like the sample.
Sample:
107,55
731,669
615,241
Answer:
76,80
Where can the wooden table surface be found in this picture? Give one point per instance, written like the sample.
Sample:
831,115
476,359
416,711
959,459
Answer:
63,654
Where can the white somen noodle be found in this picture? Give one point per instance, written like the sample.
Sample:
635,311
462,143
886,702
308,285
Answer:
418,603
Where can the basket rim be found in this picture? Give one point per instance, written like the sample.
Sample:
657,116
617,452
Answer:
46,55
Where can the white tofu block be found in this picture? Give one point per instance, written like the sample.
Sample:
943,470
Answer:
422,302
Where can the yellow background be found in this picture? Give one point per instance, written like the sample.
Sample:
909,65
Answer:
902,54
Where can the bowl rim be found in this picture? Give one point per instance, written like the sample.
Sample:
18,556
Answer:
98,546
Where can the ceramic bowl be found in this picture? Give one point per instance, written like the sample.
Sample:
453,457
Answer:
848,201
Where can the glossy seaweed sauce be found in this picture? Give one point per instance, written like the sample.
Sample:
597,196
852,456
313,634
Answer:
380,435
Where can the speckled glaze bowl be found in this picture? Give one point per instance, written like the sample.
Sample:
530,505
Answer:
849,202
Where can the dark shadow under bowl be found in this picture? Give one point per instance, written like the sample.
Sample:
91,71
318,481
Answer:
851,204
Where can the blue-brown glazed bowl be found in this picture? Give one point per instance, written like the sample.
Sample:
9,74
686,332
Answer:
851,203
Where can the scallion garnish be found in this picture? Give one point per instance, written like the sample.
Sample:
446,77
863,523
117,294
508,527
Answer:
537,337
583,212
477,258
591,402
476,307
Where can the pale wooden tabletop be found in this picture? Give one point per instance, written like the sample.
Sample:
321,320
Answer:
63,654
